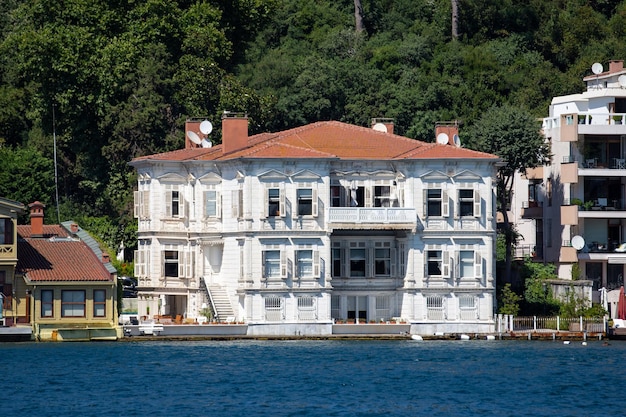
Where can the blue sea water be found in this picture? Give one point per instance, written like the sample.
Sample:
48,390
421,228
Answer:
313,378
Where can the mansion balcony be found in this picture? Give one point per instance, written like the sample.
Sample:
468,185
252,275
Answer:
382,218
8,252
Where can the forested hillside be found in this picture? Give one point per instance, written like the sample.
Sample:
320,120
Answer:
114,79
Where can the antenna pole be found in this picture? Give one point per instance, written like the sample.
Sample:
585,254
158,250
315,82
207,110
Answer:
56,174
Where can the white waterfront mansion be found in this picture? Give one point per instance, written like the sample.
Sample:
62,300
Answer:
293,231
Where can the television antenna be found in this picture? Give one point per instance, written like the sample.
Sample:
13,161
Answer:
380,127
56,173
193,136
206,127
578,242
443,138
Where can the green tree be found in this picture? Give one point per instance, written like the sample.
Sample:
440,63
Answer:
26,175
509,301
513,134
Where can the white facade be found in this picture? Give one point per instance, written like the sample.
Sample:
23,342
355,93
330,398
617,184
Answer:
299,243
572,212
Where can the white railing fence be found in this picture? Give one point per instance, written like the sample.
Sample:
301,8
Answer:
507,323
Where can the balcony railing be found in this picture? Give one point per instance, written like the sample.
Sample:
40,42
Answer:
381,215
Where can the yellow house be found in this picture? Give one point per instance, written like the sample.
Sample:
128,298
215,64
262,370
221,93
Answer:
71,286
11,311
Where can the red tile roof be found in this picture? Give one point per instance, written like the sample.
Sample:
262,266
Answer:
57,257
334,140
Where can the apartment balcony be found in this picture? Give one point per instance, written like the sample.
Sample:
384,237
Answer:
532,210
569,215
534,173
601,123
382,218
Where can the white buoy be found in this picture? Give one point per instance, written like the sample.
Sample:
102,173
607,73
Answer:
584,343
491,337
566,342
465,337
416,337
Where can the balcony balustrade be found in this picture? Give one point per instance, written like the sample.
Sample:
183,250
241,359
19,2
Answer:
372,215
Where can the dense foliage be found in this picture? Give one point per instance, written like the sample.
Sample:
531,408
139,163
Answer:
116,79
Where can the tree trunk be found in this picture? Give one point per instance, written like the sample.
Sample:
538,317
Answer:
455,18
358,15
509,239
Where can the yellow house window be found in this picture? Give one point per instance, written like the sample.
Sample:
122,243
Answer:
99,303
47,303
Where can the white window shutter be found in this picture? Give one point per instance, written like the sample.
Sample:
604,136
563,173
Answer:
393,262
263,263
314,203
189,264
144,210
162,264
182,205
137,267
281,206
266,203
136,204
477,203
168,203
205,204
445,204
283,263
425,263
445,264
457,264
235,203
369,262
478,264
342,256
218,204
368,197
316,263
425,193
182,258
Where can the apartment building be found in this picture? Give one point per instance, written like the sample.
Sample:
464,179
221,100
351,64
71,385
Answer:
573,211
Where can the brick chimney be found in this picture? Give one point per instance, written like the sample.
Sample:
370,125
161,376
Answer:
74,228
616,66
105,258
379,123
445,132
36,218
234,132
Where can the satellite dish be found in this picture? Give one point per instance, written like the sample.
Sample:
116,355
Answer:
206,127
457,140
621,80
194,137
443,138
206,144
379,127
597,68
578,242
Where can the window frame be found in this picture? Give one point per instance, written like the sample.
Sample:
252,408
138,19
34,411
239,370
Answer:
212,204
70,305
356,259
272,264
436,201
47,303
99,304
171,265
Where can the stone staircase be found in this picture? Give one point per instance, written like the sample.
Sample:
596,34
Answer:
220,301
